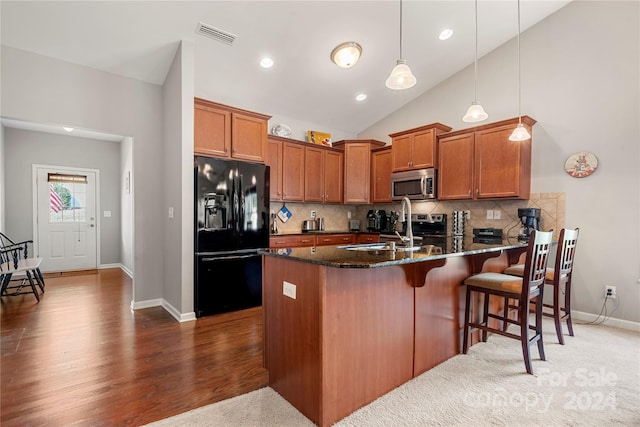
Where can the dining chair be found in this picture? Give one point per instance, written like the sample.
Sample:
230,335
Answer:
17,266
559,277
525,289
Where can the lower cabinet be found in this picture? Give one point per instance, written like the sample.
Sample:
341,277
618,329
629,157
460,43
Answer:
292,241
335,239
367,238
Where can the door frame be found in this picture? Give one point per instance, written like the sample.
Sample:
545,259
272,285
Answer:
34,187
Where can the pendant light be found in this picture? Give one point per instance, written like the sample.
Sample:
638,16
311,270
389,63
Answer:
520,133
475,113
401,76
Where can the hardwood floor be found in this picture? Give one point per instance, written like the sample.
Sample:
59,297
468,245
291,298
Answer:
82,357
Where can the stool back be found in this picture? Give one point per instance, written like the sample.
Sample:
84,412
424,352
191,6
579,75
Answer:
566,252
535,266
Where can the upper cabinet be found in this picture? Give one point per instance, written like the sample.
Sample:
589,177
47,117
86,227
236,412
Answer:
223,131
381,175
357,168
416,148
481,163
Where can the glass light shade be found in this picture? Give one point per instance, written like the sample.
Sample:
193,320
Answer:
401,77
475,113
520,133
346,55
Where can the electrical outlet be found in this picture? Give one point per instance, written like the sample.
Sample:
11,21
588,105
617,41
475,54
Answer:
313,214
289,289
349,214
467,214
497,214
610,292
489,214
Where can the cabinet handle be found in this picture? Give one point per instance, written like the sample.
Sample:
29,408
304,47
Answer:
305,241
477,191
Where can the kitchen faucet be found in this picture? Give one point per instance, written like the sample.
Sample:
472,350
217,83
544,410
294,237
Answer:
406,216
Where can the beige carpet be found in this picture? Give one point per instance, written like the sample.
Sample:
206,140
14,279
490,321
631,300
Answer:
593,380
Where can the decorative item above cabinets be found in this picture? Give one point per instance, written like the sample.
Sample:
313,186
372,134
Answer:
228,132
416,148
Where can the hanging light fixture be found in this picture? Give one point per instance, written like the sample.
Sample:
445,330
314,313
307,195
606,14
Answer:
346,54
401,76
475,113
520,133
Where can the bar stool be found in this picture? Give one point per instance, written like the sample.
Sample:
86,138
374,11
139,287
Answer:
560,278
525,289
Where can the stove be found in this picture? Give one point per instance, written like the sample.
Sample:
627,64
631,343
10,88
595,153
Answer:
428,230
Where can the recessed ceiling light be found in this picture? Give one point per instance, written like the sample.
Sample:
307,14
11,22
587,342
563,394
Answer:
266,63
68,129
445,34
361,97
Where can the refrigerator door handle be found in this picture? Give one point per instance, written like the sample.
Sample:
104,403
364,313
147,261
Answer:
209,259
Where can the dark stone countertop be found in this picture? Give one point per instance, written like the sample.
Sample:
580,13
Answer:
338,256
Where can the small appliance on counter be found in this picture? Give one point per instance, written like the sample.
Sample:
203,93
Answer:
354,225
309,225
376,220
530,219
487,235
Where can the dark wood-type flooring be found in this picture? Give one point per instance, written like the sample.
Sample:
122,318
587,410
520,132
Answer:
81,356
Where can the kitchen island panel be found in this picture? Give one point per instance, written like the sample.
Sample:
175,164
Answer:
367,342
292,332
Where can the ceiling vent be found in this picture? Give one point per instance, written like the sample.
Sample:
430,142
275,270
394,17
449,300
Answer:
215,33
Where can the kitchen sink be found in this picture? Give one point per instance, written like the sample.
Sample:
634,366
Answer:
379,247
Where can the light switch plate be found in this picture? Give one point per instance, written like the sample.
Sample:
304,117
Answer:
289,289
107,214
497,214
170,213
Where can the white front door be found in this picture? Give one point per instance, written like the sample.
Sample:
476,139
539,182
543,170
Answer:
66,218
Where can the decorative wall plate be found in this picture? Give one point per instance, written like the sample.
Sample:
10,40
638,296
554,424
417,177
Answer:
581,164
281,130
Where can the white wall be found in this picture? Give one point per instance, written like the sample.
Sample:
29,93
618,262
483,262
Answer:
126,205
2,179
177,175
580,69
25,148
44,90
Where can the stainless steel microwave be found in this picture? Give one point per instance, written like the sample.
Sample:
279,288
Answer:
416,184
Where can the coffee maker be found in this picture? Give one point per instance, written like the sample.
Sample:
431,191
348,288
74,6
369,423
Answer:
376,220
530,219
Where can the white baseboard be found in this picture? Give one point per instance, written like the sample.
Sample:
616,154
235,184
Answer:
117,265
612,321
161,302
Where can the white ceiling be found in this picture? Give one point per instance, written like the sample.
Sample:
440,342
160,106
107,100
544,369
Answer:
139,39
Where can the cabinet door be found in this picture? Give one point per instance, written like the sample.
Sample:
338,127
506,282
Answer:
249,138
455,175
211,131
497,163
293,241
401,152
293,172
357,173
367,238
274,160
333,176
335,239
313,174
381,176
422,150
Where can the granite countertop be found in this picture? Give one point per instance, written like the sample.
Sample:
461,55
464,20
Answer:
338,256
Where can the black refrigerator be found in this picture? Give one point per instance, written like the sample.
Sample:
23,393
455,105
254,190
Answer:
231,224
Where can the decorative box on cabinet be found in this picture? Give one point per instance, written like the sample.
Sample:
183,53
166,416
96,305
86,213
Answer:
228,132
481,163
416,148
381,175
357,168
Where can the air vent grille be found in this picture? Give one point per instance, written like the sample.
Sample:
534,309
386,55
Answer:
215,33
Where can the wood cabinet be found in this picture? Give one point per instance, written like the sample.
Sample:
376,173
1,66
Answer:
335,239
223,131
416,148
292,241
367,238
323,180
357,169
381,166
481,163
274,161
292,172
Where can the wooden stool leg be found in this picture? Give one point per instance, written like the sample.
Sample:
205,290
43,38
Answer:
485,317
465,340
557,313
524,338
505,324
567,306
539,305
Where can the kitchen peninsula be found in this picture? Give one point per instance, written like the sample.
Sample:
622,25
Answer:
344,325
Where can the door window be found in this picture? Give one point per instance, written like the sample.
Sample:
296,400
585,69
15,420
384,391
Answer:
67,198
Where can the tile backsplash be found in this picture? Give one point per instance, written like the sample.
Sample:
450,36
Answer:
552,206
